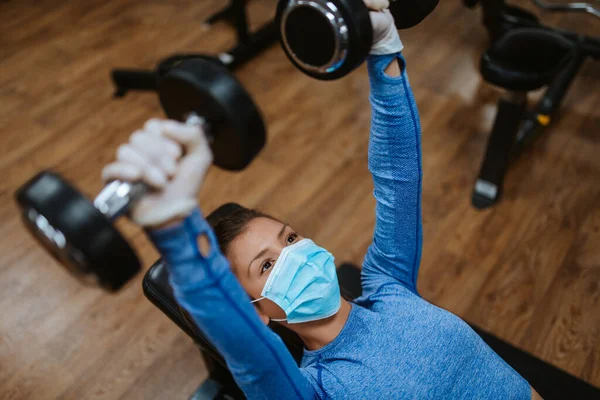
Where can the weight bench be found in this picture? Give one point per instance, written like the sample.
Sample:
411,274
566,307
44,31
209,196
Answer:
549,381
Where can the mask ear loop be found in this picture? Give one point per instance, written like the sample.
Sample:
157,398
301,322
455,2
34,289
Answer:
270,319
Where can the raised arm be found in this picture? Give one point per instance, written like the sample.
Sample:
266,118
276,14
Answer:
173,158
206,288
395,164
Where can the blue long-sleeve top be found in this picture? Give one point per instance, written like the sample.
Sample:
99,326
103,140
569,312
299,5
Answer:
394,343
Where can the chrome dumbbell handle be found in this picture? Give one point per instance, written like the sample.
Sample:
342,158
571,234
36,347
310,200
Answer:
116,197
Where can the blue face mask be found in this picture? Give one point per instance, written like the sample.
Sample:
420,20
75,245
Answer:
303,282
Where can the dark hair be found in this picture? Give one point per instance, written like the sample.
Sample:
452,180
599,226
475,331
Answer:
232,225
228,222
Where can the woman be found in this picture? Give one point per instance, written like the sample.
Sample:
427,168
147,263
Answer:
389,343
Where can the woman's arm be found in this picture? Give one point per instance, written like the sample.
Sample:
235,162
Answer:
395,164
207,289
172,158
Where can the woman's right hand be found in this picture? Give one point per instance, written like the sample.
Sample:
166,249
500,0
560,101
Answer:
172,158
386,39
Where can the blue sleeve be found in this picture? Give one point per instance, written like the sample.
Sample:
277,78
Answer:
395,164
207,289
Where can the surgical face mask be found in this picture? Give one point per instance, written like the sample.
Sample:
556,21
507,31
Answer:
303,282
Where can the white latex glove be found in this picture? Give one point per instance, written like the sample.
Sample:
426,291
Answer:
170,157
386,39
377,5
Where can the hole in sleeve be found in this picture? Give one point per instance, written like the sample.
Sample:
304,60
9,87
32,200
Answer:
204,245
392,71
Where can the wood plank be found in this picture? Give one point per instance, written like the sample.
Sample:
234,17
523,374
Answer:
527,270
522,277
566,328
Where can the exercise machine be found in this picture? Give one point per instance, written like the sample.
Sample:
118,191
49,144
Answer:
524,56
249,45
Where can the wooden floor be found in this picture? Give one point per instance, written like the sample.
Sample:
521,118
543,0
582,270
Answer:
528,270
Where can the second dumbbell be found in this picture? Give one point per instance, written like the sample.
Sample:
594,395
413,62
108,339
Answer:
327,39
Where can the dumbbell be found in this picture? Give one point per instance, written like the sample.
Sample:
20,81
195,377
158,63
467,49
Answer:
327,39
80,233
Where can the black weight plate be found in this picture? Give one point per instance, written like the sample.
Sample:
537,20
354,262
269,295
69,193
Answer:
310,36
99,248
169,63
209,90
409,13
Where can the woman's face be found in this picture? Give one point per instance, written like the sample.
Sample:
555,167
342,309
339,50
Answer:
253,254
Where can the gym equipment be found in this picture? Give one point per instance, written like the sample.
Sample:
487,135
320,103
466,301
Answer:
327,39
550,382
524,56
571,7
80,234
408,14
499,17
249,45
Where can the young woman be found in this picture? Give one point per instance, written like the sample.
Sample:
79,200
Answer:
251,269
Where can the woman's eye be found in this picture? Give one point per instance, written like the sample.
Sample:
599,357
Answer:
265,266
292,237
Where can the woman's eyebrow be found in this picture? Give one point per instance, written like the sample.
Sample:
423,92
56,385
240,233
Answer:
259,255
263,251
280,234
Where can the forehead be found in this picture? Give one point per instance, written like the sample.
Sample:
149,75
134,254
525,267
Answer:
260,233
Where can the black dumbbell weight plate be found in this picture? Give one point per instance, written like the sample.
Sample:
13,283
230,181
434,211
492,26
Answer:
164,66
317,43
313,37
75,232
409,13
207,89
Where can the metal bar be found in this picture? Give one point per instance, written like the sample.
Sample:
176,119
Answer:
133,79
223,14
561,83
245,51
117,197
568,7
240,20
488,187
534,125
